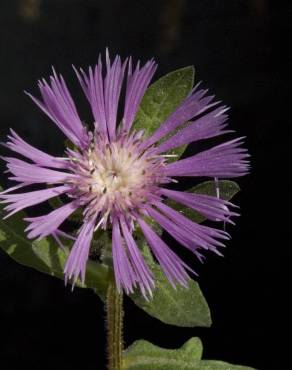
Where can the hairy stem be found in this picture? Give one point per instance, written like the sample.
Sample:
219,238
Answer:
114,306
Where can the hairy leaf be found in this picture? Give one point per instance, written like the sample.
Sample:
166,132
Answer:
143,355
184,307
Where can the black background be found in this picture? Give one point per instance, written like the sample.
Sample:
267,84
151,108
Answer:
238,50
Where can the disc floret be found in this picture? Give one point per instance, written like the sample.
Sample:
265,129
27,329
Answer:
117,176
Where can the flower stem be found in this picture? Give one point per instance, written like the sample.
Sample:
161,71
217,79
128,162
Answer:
114,306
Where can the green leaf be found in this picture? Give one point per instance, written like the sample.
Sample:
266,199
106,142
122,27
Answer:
219,365
142,355
162,98
184,307
45,255
227,191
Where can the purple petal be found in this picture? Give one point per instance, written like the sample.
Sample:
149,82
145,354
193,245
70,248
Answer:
92,85
59,106
76,263
210,125
32,174
57,234
45,225
64,235
124,273
13,188
193,105
208,233
223,161
18,145
24,200
144,275
173,267
211,207
137,84
112,89
178,225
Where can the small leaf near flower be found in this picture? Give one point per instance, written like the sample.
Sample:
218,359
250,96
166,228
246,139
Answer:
185,307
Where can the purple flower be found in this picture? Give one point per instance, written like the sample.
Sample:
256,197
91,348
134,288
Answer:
119,177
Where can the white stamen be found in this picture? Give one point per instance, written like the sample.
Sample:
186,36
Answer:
116,177
168,155
99,223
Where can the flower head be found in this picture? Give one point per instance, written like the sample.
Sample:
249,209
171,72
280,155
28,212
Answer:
119,177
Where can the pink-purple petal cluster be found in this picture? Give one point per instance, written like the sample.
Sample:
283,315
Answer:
17,203
58,104
42,226
222,161
213,208
76,263
119,178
